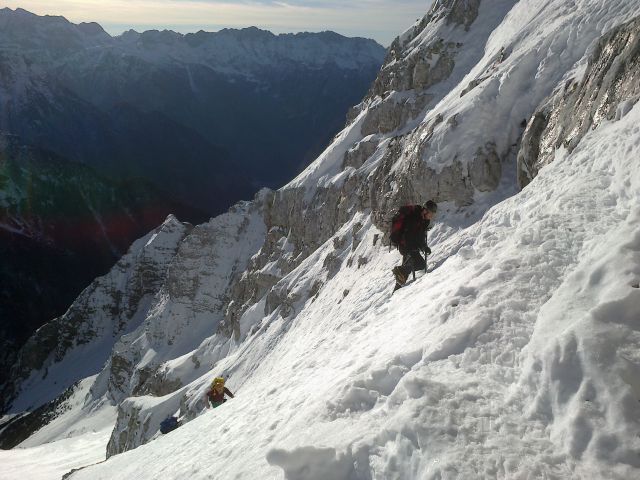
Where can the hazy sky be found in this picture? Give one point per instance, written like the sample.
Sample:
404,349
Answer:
379,19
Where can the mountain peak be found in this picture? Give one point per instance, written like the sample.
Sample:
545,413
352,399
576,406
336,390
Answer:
53,34
91,28
252,32
20,11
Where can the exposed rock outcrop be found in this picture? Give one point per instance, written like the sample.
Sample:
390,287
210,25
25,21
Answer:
359,153
414,63
192,299
425,66
407,68
609,88
138,421
106,309
393,113
486,169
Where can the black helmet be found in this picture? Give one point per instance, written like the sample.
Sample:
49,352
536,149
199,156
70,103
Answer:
431,206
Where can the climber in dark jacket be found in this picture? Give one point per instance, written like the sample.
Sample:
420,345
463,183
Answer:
409,233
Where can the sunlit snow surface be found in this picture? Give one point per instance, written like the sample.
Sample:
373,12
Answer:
53,460
77,438
517,356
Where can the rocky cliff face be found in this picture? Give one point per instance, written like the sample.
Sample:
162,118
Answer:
415,64
169,112
352,175
608,89
422,66
61,225
77,344
188,307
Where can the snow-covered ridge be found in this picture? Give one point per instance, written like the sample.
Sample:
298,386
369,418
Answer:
78,344
61,225
517,354
489,364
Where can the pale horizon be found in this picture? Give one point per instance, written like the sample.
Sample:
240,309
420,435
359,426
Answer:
381,20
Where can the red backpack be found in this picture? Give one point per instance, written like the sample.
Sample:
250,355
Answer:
397,223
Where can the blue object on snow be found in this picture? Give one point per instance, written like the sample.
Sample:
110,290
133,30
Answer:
168,424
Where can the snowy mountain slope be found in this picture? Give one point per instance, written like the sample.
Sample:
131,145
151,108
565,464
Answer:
61,225
78,344
476,370
75,415
189,307
526,341
473,119
56,459
163,108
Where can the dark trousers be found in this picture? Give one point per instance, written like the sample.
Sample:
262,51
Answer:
412,261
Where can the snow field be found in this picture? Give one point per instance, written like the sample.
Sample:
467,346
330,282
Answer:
76,438
77,416
516,357
52,460
99,332
480,369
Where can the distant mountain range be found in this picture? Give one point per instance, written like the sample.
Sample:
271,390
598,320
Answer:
207,117
188,124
